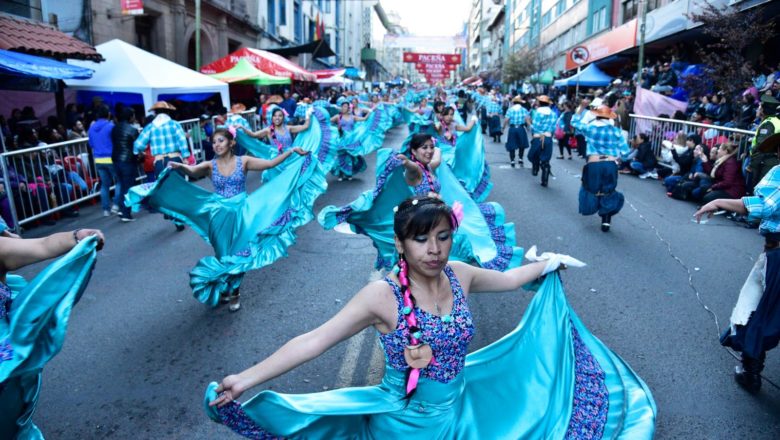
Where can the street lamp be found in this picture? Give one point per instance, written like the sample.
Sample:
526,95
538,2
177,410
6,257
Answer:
642,21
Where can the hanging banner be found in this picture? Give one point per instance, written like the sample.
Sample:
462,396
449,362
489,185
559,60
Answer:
433,67
427,43
432,58
434,71
132,7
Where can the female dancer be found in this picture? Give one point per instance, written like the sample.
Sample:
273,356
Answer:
421,166
447,130
228,175
357,110
34,317
346,164
431,389
279,133
484,238
755,320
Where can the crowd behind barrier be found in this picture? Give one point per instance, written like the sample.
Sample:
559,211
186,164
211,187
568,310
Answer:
665,130
52,180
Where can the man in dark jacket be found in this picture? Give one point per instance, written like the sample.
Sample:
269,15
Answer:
122,136
667,80
644,162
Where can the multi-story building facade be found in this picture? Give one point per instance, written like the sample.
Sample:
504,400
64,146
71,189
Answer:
167,27
604,27
487,32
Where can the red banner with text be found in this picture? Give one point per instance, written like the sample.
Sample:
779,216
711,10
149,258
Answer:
132,7
432,58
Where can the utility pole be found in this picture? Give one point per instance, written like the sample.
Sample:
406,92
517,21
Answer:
642,21
197,35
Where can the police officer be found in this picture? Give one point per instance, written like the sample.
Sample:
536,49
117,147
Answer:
761,162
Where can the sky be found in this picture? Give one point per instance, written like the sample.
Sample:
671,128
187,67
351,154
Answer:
430,17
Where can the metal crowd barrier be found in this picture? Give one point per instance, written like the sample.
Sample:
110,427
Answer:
40,181
661,129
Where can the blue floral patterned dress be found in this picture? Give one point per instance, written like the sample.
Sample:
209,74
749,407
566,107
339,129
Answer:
228,186
448,335
282,141
428,184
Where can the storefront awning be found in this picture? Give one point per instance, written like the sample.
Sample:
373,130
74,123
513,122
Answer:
245,73
19,64
317,49
265,61
21,35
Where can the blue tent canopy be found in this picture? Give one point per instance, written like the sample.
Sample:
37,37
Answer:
590,76
20,64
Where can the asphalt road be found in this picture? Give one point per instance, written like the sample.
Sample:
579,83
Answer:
140,350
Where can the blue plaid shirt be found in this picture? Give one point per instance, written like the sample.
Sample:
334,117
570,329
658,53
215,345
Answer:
543,123
300,111
165,137
602,138
517,114
237,120
480,100
493,107
765,204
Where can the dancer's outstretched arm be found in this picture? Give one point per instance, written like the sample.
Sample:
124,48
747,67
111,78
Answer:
360,312
478,279
411,170
16,253
202,169
299,128
259,134
468,126
255,164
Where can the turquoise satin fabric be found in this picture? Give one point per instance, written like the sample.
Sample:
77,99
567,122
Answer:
481,240
262,223
318,139
519,387
35,329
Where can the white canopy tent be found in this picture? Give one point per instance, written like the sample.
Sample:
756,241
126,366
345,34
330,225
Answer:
128,69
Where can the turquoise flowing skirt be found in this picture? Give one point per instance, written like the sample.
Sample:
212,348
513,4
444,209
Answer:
34,332
319,139
366,138
550,378
246,231
482,237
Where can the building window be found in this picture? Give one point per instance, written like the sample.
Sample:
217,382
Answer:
144,32
600,20
311,30
327,6
233,45
298,22
546,18
560,8
282,12
271,17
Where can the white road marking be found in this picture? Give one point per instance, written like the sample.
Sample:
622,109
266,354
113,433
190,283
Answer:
349,364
